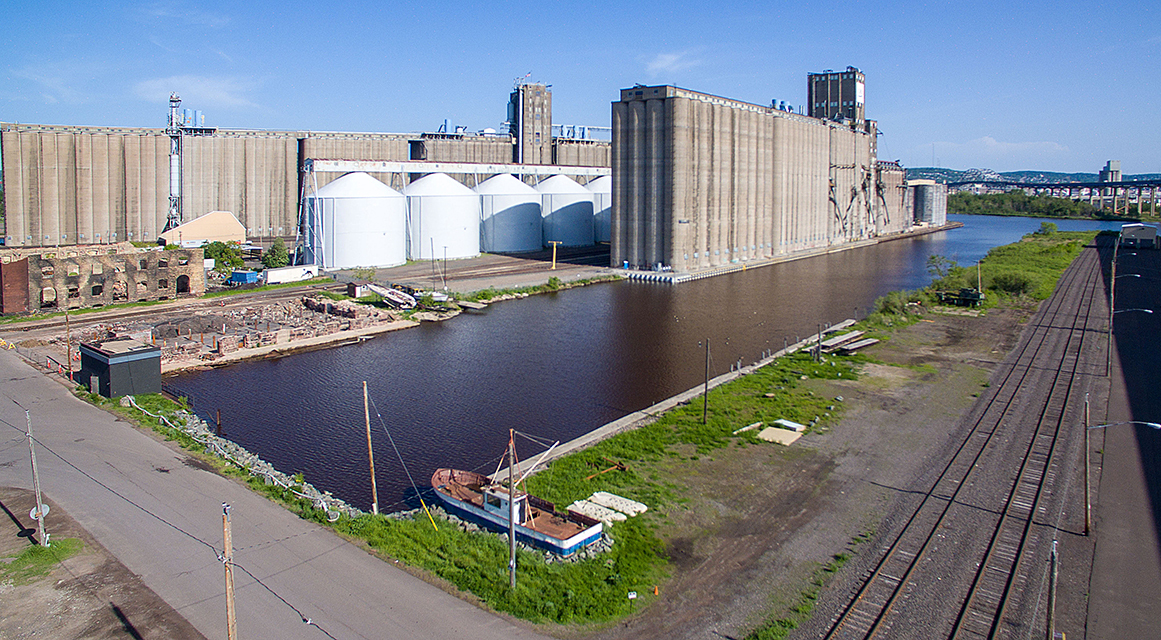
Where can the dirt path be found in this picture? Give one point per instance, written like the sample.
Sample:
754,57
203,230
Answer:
758,521
89,595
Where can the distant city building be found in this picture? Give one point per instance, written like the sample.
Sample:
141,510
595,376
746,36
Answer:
832,95
1111,172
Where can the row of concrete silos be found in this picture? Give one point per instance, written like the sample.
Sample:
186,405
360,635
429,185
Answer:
357,221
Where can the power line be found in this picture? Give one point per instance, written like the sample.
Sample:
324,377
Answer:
275,594
173,526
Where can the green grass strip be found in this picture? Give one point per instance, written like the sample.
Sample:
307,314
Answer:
36,561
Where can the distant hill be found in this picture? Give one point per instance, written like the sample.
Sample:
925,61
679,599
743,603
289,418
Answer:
1046,177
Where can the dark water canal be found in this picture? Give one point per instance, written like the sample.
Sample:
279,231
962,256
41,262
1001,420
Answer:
555,365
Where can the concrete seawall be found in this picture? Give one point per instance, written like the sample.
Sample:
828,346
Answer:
644,416
677,278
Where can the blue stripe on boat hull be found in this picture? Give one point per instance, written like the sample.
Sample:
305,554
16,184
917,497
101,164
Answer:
479,516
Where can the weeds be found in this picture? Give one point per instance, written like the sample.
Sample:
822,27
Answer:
778,627
37,561
554,284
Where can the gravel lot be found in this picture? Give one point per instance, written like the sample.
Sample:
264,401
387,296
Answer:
760,520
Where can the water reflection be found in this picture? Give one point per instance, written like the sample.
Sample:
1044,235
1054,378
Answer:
555,365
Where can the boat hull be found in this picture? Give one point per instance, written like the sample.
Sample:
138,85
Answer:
589,529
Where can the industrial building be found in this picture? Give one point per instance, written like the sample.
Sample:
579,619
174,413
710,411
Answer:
701,181
689,182
75,185
53,278
832,95
928,202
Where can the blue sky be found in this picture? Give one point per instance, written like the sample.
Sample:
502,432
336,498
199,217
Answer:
1006,86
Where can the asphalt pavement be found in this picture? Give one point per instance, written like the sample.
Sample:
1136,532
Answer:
1125,588
161,515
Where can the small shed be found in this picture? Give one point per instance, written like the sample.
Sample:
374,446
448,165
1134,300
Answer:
120,368
241,276
1139,236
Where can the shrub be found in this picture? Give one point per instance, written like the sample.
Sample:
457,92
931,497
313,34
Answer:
1013,282
276,256
226,255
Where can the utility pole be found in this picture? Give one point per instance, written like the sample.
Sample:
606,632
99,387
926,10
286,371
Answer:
41,508
705,394
1087,495
68,337
370,453
228,561
511,509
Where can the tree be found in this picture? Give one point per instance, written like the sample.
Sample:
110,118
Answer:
1047,229
276,256
940,266
226,255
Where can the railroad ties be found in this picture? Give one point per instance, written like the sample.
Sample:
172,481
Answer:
961,563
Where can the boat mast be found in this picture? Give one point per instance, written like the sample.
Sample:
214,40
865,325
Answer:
511,509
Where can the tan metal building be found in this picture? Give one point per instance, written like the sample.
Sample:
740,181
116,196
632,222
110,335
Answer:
215,226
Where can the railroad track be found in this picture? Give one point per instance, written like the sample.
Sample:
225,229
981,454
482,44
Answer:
175,307
904,572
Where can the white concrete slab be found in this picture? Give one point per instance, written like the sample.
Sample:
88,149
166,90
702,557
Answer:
780,436
617,503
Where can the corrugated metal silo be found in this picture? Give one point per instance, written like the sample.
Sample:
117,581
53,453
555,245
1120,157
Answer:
442,215
602,189
567,210
509,215
356,221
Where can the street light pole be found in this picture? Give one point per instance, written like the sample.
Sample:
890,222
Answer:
1087,495
1112,289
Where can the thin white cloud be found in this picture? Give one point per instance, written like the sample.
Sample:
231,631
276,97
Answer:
159,43
672,62
991,153
58,82
202,91
182,12
992,146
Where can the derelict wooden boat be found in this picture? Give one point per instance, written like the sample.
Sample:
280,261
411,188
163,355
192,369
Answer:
475,497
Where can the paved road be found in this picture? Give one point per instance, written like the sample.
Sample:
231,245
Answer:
1126,573
162,518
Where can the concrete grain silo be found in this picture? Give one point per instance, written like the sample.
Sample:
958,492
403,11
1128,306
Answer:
602,189
355,221
567,210
510,219
443,219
